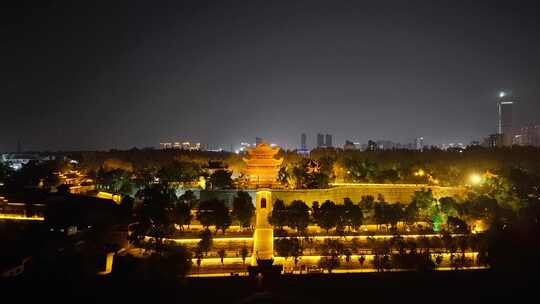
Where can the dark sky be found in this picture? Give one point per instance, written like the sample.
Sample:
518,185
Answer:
98,76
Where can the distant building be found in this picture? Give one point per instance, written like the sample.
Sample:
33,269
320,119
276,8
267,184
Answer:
258,140
493,141
387,145
16,161
454,145
349,145
505,118
328,141
371,146
419,143
303,145
320,140
527,136
186,145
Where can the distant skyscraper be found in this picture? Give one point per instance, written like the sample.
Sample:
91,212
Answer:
258,140
419,143
320,140
304,151
505,111
328,142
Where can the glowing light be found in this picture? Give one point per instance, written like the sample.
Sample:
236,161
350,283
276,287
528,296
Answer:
20,217
420,172
475,179
502,94
106,195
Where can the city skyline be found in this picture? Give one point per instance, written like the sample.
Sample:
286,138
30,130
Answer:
104,77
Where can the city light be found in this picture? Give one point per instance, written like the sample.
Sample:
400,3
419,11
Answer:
475,178
420,172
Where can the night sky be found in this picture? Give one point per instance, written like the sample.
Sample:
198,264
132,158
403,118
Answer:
135,74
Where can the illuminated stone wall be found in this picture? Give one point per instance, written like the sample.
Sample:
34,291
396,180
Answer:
263,237
391,193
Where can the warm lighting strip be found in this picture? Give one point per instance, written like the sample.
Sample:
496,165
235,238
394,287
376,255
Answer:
20,217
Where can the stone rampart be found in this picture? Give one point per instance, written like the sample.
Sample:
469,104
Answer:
392,193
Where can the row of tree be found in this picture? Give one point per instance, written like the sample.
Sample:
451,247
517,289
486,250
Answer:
161,213
397,252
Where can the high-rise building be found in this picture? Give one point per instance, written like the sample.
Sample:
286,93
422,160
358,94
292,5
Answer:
320,140
527,136
493,141
258,140
505,118
304,151
328,141
419,143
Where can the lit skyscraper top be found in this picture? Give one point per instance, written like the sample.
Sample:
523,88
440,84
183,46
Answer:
505,113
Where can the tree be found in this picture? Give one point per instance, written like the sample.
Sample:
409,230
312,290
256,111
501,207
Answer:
222,253
278,217
331,250
37,175
4,173
182,214
155,216
205,213
315,211
411,213
354,216
283,247
189,198
214,212
221,179
298,215
115,181
125,209
223,217
243,209
328,216
423,200
179,172
341,221
367,202
244,252
176,262
388,176
296,250
361,260
199,255
205,244
456,225
288,247
329,263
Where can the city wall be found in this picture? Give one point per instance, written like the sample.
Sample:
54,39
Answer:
392,193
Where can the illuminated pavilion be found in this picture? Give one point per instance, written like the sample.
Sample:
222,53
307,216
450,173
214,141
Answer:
262,166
